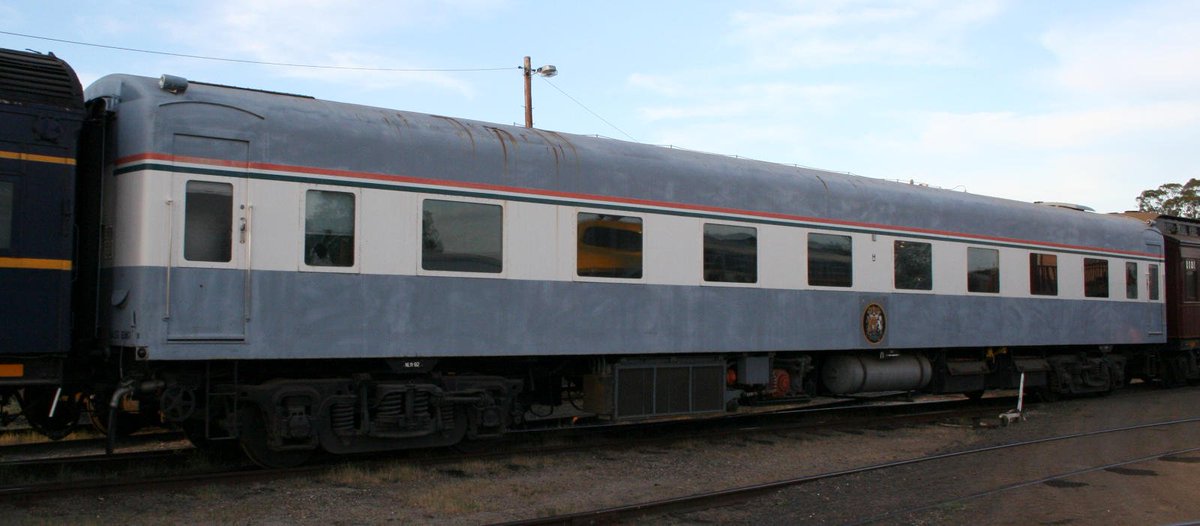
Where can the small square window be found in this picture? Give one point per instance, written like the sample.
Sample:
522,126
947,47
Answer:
1095,278
730,253
983,270
329,229
208,222
609,246
1191,281
830,260
1152,283
1043,274
458,236
1131,281
913,265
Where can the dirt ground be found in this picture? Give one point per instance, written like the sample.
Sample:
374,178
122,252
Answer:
1157,491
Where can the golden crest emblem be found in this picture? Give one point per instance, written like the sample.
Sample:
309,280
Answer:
874,323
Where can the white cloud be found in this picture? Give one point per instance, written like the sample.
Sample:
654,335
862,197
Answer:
1107,182
344,34
698,99
821,33
12,16
973,133
658,84
1150,50
777,142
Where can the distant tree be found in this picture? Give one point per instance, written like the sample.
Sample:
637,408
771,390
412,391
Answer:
1174,199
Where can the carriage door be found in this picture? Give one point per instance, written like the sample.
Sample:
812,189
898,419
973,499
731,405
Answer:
209,272
1155,326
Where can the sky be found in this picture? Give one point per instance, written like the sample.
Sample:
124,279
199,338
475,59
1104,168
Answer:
1079,101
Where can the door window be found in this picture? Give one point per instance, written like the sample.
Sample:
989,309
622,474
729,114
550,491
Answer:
208,222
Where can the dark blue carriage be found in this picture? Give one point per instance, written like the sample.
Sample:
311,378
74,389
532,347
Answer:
41,114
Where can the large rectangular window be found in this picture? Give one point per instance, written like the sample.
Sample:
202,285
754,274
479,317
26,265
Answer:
730,253
913,265
1152,283
983,270
329,229
1191,281
6,214
462,237
1095,278
208,222
830,260
609,246
1043,274
1131,284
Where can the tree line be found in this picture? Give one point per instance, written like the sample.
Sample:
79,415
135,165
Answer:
1173,199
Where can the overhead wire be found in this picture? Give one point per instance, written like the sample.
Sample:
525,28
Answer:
309,66
248,61
589,110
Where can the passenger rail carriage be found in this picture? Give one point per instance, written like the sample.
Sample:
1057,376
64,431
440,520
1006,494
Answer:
294,275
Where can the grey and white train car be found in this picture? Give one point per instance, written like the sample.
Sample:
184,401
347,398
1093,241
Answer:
365,278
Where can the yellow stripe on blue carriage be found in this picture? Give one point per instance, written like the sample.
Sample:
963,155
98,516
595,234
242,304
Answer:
35,263
16,156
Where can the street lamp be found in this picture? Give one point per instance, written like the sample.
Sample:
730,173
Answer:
545,71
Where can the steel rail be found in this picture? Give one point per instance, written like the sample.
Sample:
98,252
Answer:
714,428
1025,484
719,498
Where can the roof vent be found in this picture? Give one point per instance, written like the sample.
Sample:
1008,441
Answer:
1068,206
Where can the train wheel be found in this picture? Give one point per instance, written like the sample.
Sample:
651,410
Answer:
36,405
255,443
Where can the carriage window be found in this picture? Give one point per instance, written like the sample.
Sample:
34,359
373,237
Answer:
1152,283
914,265
1095,278
609,246
6,215
1131,288
1191,283
1043,274
983,270
208,222
829,260
329,229
730,253
462,237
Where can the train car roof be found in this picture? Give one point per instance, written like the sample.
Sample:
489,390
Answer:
40,79
295,131
1184,230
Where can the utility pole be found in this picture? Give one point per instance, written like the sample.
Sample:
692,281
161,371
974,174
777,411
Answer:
528,71
528,94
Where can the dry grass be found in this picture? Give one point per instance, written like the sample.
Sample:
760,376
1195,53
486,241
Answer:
24,436
16,437
360,475
457,489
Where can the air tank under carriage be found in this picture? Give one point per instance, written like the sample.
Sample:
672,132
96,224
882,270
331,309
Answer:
294,274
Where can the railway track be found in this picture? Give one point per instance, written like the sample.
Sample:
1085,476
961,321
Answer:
733,496
183,465
65,450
